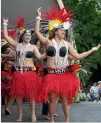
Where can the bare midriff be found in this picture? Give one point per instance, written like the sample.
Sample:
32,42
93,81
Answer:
51,63
28,62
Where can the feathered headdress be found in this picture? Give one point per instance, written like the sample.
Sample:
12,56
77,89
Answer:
20,24
57,18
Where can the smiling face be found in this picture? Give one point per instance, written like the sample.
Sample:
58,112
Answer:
27,36
60,33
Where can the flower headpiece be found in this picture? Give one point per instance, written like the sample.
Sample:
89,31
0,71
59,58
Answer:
57,18
21,26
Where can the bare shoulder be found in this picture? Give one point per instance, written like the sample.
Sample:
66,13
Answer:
67,42
48,42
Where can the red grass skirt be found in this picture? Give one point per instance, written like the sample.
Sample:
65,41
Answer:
25,85
66,84
5,83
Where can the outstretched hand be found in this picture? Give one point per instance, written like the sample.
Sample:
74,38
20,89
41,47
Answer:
39,12
5,20
96,48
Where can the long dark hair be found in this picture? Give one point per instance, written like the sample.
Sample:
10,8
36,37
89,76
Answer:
51,35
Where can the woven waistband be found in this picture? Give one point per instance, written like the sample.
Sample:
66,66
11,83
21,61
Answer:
58,71
18,68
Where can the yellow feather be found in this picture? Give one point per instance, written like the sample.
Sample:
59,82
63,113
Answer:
52,22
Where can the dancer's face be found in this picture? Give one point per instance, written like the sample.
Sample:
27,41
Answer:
60,33
99,85
27,37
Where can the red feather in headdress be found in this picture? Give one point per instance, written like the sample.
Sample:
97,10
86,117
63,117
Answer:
55,13
20,22
12,33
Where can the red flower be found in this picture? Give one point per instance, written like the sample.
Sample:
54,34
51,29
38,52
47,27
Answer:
75,67
39,68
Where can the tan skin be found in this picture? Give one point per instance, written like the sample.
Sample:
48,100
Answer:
70,58
59,35
28,63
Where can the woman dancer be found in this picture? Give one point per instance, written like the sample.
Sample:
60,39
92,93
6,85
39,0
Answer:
60,82
25,82
6,73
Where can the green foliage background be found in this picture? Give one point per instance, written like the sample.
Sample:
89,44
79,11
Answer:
87,33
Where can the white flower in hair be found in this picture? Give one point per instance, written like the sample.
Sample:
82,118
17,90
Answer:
28,31
66,25
56,25
21,32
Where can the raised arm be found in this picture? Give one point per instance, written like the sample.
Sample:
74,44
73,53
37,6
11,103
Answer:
37,27
78,56
8,38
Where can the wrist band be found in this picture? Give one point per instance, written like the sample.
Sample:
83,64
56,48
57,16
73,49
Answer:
38,18
5,24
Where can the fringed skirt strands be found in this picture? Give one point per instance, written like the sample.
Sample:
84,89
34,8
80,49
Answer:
66,84
25,84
